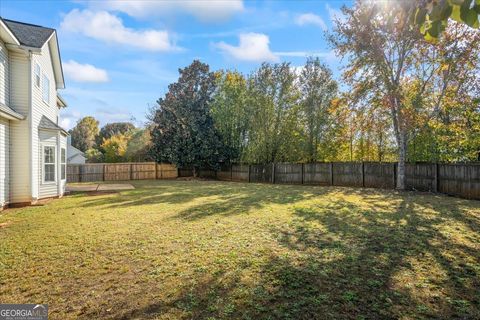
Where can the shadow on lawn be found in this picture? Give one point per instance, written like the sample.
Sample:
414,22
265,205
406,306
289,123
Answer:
347,262
214,198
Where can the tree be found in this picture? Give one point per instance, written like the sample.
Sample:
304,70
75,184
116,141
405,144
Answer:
318,89
432,16
231,112
84,133
273,98
391,64
111,129
115,148
138,146
183,132
94,155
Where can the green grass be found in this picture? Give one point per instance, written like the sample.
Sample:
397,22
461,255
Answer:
213,250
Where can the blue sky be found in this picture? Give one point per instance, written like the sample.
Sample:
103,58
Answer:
120,56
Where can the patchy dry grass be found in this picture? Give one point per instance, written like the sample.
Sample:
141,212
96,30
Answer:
212,250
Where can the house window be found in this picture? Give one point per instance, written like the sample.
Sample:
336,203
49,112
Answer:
46,89
37,75
48,164
63,163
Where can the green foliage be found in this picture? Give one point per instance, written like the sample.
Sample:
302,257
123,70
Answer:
111,129
84,133
318,89
138,146
184,132
432,16
115,148
94,155
274,102
230,112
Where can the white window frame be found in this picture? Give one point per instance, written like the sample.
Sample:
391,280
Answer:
45,89
49,163
37,75
63,163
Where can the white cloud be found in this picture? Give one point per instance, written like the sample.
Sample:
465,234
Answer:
204,10
312,19
335,14
251,47
84,72
68,119
104,26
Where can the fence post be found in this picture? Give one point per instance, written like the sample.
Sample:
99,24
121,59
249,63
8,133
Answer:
103,176
394,176
363,174
303,170
80,173
231,172
156,170
435,177
249,170
131,171
331,173
273,172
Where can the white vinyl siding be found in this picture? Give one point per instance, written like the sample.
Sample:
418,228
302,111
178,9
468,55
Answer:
20,149
49,110
4,75
4,162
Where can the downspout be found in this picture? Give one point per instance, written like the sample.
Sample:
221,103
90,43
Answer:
30,125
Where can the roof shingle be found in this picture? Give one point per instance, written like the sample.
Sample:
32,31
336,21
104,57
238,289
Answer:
46,123
29,35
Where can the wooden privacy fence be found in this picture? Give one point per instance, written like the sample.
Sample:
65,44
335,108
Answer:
91,172
461,179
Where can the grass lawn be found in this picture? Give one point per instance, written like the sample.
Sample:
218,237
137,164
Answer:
213,250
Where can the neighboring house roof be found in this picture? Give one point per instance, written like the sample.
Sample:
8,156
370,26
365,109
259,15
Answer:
48,124
81,154
10,112
29,35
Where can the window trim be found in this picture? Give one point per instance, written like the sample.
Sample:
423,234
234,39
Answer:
37,73
63,162
45,81
44,163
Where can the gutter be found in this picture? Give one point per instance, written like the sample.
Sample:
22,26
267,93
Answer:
30,125
8,113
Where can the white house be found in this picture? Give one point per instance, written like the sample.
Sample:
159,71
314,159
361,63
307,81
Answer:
32,144
74,156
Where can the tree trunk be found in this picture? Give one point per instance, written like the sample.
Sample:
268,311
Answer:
402,155
195,172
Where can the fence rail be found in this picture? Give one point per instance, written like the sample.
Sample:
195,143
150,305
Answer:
461,179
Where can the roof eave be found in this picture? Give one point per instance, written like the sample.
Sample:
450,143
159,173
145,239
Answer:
56,60
9,36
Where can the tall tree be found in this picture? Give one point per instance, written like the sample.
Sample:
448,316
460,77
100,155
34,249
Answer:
318,89
184,133
84,133
389,59
273,97
231,112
